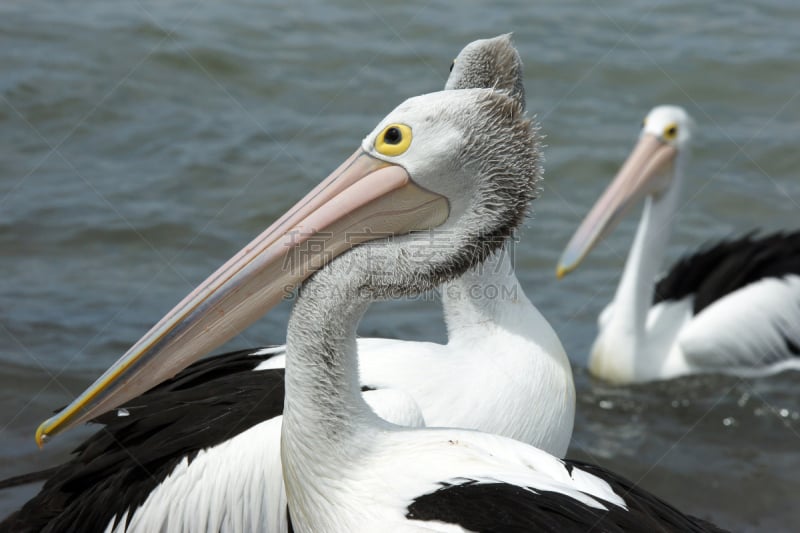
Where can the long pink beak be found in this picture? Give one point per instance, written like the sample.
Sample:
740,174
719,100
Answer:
364,196
640,175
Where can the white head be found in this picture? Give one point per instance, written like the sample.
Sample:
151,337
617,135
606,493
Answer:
670,124
649,171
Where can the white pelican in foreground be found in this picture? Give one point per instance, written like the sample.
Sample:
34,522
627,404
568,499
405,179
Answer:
733,307
503,371
464,163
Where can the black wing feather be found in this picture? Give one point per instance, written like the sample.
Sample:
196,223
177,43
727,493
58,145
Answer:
729,266
506,508
28,478
118,467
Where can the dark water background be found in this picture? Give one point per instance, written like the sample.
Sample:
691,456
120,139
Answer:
142,143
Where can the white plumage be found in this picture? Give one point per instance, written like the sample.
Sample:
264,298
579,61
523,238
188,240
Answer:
403,465
503,370
747,331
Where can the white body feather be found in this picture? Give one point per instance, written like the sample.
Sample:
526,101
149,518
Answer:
403,465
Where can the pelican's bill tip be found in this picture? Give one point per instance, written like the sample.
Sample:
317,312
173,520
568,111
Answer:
41,435
562,270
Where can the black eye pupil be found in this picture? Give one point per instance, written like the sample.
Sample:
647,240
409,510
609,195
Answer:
671,131
393,136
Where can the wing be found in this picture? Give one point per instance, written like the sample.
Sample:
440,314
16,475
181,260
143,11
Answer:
729,266
124,465
755,327
27,478
140,445
509,508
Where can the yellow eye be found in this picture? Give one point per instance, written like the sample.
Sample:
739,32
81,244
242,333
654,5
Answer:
393,140
670,132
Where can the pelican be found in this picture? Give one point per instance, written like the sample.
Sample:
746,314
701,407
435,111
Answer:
503,371
732,308
464,163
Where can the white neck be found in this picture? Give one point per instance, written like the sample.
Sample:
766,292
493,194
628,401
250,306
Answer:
474,301
623,343
325,417
504,342
488,298
328,429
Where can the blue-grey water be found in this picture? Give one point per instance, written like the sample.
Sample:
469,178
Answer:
142,143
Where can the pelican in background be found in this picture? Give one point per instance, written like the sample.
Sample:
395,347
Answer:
465,163
163,454
733,307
